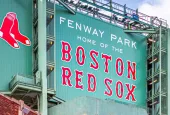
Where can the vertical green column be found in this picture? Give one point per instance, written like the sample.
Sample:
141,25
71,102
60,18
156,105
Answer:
42,54
160,67
153,111
55,49
168,70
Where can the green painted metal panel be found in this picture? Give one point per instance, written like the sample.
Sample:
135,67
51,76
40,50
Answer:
140,31
93,106
66,31
13,61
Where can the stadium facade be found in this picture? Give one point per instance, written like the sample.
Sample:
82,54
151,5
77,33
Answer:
84,57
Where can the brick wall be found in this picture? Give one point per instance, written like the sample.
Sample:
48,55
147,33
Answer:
11,106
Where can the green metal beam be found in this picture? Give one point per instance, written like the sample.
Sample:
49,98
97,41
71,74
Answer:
55,53
58,99
6,92
160,68
168,72
140,31
42,55
67,7
51,91
25,86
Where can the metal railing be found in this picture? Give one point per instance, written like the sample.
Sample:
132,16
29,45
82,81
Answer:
142,17
155,71
119,10
155,50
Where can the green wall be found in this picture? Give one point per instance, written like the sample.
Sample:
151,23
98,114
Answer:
92,106
69,34
13,61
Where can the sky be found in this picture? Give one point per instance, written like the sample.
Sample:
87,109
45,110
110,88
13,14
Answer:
159,8
133,4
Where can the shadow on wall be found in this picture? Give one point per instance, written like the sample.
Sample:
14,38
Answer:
93,106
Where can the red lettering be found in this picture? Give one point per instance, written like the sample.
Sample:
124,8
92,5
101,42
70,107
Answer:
119,89
66,74
119,66
80,48
78,80
130,70
92,53
66,50
106,81
130,92
90,88
106,57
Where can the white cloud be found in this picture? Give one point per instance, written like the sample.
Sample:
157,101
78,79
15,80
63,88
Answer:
159,8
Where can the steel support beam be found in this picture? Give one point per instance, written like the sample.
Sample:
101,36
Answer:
42,60
25,95
6,92
55,53
67,7
140,31
153,86
160,68
58,99
32,88
168,76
